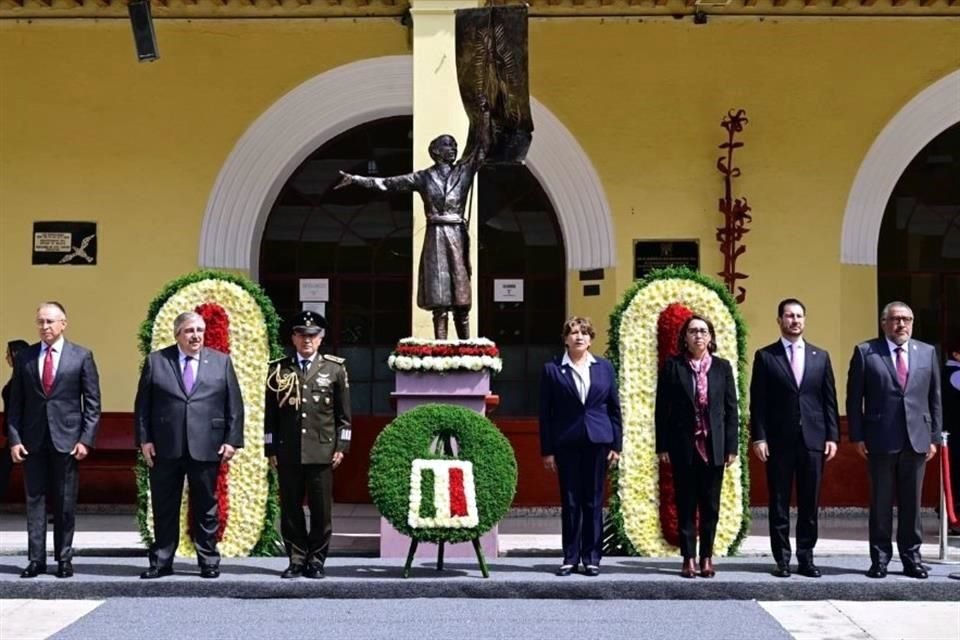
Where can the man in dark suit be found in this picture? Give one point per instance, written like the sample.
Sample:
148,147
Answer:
894,411
306,434
52,423
189,420
793,413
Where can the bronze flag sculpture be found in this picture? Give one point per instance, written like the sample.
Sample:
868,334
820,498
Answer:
491,45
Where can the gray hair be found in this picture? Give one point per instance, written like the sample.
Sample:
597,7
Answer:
184,318
892,305
53,304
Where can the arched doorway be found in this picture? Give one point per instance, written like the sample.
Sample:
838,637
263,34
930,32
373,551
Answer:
918,256
360,241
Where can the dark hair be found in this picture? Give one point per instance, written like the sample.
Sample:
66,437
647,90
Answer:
788,301
682,338
577,321
16,346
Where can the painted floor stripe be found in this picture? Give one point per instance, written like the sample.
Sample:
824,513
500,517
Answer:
40,619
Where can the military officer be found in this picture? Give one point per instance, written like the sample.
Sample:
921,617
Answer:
306,434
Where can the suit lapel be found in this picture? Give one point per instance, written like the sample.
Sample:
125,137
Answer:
173,358
66,352
597,381
566,375
686,379
884,351
33,366
714,377
782,358
202,363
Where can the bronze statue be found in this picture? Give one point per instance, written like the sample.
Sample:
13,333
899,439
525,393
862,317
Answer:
444,282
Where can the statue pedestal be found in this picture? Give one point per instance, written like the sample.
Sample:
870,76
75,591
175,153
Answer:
469,389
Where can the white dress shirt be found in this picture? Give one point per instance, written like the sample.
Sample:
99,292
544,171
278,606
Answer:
581,374
194,363
57,352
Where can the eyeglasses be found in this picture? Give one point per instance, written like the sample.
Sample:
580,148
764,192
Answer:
697,332
900,320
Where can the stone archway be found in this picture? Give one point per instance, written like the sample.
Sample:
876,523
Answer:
342,98
927,115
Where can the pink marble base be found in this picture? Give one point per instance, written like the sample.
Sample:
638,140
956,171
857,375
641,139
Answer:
396,545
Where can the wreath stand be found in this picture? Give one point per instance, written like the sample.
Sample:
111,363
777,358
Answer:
446,443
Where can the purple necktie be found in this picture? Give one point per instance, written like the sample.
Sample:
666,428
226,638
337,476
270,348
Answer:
187,374
902,375
795,364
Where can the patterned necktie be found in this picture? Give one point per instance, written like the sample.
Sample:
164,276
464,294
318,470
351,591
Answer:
187,374
902,375
795,364
47,379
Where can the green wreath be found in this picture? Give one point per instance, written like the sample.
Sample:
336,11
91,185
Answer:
411,436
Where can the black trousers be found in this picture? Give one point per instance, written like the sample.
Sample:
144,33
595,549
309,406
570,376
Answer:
896,475
783,467
697,488
166,491
49,472
315,481
582,471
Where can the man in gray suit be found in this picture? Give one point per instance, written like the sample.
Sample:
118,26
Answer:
189,420
894,414
52,423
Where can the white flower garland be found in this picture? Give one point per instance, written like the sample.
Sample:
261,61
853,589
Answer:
639,468
441,495
399,362
250,353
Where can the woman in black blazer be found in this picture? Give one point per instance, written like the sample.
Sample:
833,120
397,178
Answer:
697,422
6,462
581,435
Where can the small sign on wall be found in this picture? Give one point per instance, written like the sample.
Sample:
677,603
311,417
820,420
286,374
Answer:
314,289
508,290
68,243
316,307
657,254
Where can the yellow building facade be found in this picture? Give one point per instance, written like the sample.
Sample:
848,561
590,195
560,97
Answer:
174,161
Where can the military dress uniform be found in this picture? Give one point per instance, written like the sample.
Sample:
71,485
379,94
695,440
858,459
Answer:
307,419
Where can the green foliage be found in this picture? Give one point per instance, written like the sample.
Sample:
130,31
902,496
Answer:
615,539
411,436
269,543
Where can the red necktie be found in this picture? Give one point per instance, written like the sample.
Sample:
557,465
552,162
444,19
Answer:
902,375
47,379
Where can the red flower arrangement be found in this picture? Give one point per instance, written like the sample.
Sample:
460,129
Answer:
216,335
669,325
458,498
441,350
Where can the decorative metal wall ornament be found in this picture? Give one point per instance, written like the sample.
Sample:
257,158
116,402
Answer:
736,211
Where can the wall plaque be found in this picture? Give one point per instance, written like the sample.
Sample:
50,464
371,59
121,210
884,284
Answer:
657,254
72,243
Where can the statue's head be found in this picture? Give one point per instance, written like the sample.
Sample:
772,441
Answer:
443,148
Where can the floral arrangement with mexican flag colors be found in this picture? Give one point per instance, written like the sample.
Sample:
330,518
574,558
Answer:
644,329
241,321
431,495
416,355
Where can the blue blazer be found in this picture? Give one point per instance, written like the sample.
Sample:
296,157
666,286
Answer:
566,421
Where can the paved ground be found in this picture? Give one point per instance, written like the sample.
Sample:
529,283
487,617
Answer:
179,618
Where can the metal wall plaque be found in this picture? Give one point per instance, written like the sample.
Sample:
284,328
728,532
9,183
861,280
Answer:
72,243
657,254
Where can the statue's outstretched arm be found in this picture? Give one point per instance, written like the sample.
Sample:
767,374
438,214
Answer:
406,182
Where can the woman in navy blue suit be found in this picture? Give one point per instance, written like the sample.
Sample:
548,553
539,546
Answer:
697,421
580,436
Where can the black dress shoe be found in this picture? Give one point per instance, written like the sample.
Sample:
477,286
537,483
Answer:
209,572
809,570
877,570
33,569
314,571
292,571
153,572
565,570
782,571
591,570
65,569
915,571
